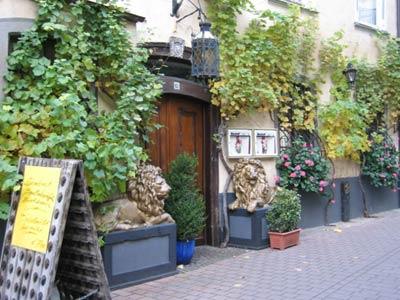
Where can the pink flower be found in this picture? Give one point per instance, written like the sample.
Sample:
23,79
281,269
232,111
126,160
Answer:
395,190
333,185
293,175
304,145
309,162
321,189
323,183
287,164
297,168
302,173
394,174
277,179
332,201
285,156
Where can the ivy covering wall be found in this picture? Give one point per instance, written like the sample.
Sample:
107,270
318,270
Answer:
268,67
50,108
273,65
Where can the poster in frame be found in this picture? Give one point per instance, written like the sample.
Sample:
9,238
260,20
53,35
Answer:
239,143
265,143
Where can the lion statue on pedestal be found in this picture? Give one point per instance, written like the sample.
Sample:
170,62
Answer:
250,185
142,206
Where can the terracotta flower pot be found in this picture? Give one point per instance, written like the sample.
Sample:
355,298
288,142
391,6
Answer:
284,240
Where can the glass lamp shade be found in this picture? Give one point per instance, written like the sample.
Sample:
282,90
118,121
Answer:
205,53
351,74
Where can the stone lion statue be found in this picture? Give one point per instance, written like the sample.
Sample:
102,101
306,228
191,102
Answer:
143,205
250,185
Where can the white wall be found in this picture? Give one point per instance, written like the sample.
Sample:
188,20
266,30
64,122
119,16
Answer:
17,9
159,25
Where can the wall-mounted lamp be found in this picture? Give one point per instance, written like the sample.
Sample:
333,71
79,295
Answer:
205,47
205,53
351,74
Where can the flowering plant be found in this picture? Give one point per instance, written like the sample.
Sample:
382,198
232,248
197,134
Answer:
303,167
382,162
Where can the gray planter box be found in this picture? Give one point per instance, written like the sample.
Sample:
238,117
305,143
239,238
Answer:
248,230
139,255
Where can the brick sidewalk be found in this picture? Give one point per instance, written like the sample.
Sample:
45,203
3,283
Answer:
356,260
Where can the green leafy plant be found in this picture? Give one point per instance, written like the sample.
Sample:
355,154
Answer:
50,108
268,66
381,164
344,129
389,64
303,167
185,203
333,62
284,215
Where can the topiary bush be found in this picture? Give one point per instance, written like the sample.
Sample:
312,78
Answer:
185,203
284,215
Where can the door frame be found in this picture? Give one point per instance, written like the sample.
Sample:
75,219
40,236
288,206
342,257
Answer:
198,92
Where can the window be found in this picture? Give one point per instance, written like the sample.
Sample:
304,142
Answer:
13,38
371,13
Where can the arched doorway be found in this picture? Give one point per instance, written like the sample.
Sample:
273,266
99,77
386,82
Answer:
183,116
189,122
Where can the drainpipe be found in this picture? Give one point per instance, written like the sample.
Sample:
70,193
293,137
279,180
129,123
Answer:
398,122
398,17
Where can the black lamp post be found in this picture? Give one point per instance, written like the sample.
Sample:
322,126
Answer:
351,74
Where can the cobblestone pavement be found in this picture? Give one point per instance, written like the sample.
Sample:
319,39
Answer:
207,255
355,260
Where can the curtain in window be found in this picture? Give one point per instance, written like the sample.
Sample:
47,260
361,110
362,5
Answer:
367,11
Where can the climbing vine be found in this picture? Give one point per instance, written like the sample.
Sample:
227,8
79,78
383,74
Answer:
50,108
345,122
342,121
343,128
333,62
268,66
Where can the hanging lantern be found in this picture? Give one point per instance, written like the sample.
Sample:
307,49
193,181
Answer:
205,53
351,74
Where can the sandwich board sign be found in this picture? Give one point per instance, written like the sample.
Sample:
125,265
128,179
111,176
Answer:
50,246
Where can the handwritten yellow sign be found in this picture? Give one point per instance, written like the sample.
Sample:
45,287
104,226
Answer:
35,209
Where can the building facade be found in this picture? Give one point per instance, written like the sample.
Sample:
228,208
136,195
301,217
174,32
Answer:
185,110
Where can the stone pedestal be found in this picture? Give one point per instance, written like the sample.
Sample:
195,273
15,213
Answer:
248,230
139,255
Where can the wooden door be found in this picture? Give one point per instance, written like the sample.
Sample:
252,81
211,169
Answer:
183,131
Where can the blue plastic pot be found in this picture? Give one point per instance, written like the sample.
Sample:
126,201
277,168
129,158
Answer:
184,252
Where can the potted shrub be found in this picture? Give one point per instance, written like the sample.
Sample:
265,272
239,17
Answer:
283,219
185,204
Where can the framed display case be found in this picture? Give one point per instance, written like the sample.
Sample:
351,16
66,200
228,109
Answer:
265,142
239,142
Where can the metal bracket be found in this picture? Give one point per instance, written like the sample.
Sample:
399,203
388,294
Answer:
175,8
